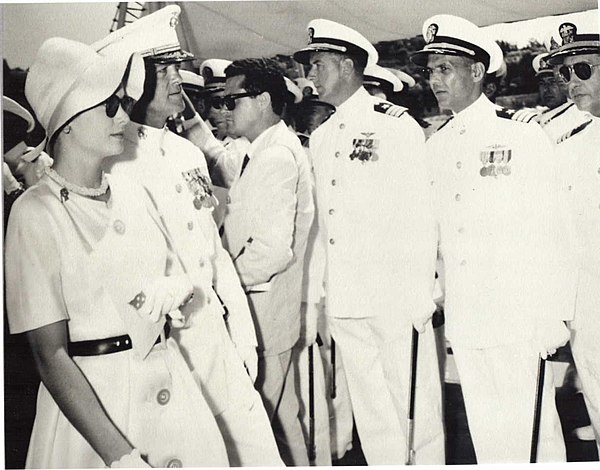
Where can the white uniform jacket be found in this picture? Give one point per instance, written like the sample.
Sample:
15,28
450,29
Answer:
561,119
579,163
185,190
502,230
375,218
266,225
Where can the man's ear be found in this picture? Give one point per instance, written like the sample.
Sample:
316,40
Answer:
264,99
347,66
478,71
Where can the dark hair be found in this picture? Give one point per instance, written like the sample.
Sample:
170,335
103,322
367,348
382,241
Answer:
261,75
138,113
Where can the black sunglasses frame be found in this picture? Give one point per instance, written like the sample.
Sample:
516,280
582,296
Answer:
112,103
582,70
229,100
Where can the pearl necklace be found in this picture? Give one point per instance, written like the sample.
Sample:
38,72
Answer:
81,190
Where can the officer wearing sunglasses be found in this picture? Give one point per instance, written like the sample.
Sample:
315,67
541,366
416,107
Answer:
578,155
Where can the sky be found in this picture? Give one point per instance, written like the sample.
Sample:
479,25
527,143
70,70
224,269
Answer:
26,26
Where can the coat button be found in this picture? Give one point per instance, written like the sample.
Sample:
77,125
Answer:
119,226
342,125
331,211
141,132
337,154
462,131
333,182
463,262
331,241
174,463
461,230
228,200
457,197
178,188
201,263
190,225
162,152
570,187
459,165
163,397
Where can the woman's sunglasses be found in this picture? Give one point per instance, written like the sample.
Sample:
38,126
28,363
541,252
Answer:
582,70
229,100
113,102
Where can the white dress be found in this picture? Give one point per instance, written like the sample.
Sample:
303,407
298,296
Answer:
82,261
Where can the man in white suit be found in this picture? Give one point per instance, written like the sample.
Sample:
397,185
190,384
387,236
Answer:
268,216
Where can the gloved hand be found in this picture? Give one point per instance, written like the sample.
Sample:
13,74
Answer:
309,315
549,336
247,354
33,171
131,460
420,320
9,182
163,296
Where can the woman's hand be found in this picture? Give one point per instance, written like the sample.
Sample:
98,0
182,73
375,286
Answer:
165,295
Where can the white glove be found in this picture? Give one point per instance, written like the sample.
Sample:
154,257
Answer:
33,171
9,182
420,320
309,316
549,336
249,357
131,460
164,295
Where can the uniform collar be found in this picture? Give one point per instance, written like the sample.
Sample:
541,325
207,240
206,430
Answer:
359,97
473,113
146,136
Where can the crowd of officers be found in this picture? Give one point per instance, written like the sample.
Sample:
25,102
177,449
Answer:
314,216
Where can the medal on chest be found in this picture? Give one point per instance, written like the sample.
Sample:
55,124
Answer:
495,160
199,186
364,148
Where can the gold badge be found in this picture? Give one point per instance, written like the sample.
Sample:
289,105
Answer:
431,32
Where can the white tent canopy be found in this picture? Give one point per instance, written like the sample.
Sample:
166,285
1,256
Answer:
237,29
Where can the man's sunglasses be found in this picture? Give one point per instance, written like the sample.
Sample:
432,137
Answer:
113,102
583,70
229,100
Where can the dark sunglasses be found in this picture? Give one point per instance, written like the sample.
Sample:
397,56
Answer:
113,102
582,70
229,100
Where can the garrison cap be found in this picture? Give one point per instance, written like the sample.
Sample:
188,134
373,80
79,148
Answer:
573,43
452,35
153,36
329,36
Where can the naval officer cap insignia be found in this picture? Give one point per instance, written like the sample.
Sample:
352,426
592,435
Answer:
452,35
213,71
153,36
380,77
329,36
574,44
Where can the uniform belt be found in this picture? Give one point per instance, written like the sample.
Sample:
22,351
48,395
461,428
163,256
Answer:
98,347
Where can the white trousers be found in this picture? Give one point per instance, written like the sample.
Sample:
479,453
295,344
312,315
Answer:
376,354
499,389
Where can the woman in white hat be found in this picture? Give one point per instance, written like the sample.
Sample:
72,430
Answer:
92,281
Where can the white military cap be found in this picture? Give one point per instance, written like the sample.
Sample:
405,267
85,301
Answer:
213,71
11,106
68,77
293,89
329,36
192,79
153,36
541,65
383,78
573,43
452,35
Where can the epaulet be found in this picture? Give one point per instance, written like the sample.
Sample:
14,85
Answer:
445,122
390,109
543,122
521,115
572,132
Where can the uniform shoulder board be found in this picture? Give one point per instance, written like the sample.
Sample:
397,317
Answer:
572,132
385,107
545,120
445,122
521,115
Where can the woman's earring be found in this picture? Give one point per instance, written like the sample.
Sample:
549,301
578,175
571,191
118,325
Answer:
67,130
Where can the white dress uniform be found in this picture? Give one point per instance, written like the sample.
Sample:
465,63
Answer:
379,238
268,217
500,237
578,158
174,172
560,120
80,260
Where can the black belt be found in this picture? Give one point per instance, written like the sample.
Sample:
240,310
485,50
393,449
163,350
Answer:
98,347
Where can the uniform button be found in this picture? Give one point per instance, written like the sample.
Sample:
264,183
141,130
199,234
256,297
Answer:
337,154
462,131
190,225
570,187
178,188
459,165
463,262
174,463
331,241
331,211
162,152
457,197
461,230
342,125
332,182
163,397
141,132
201,263
432,183
228,200
599,171
209,301
119,226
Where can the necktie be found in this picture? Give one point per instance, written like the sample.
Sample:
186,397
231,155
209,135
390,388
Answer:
244,164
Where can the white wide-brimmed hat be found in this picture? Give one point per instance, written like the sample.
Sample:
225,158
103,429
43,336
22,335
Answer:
68,77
